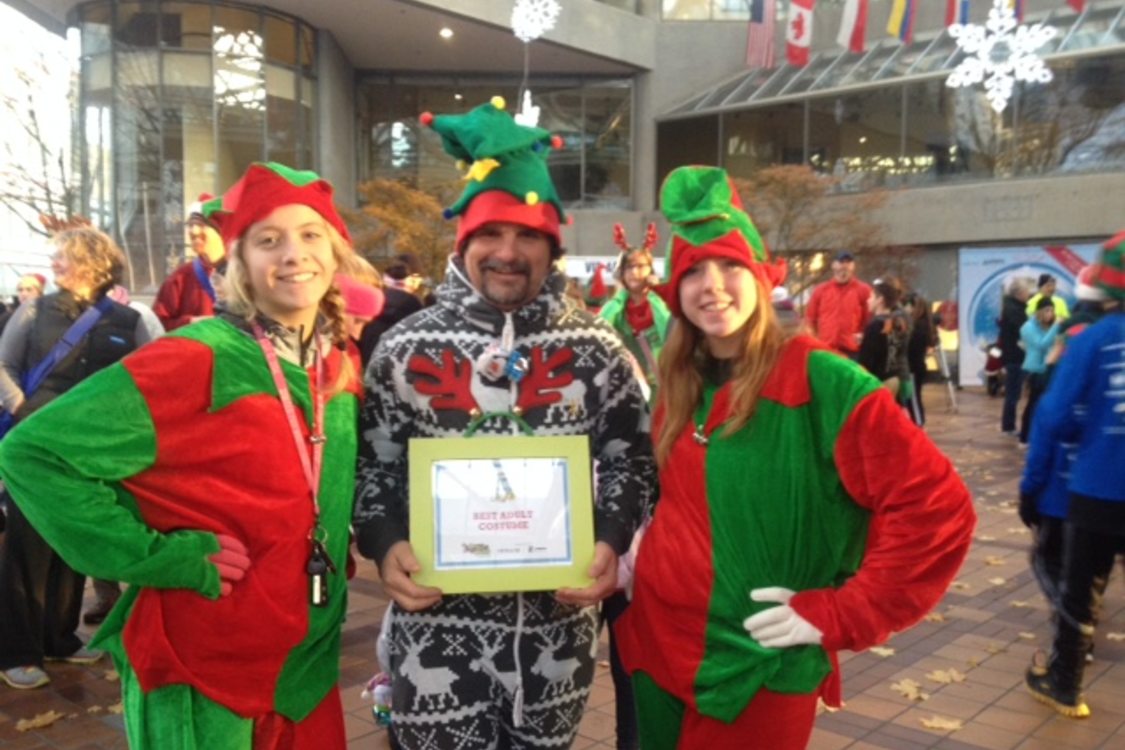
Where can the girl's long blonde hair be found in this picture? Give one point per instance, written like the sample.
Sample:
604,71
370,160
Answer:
681,379
239,299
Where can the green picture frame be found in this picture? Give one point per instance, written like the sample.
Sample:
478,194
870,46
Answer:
547,471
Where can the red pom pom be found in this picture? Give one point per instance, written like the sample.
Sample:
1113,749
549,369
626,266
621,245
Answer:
556,142
427,119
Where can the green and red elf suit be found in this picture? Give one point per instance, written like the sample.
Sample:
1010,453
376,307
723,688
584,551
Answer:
153,458
828,490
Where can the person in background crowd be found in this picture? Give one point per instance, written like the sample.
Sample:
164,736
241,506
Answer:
189,293
923,338
40,593
637,313
1087,310
1048,285
501,352
29,287
399,302
886,339
1012,317
838,311
362,304
1085,403
1037,336
801,512
213,471
575,295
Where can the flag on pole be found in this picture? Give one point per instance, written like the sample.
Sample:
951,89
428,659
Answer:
853,26
760,38
1078,5
798,32
1017,8
901,22
956,12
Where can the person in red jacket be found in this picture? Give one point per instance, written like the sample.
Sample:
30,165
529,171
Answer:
189,292
837,312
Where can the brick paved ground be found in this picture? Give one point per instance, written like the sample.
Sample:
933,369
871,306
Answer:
991,621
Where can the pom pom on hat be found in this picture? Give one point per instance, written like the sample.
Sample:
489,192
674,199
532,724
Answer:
1084,288
1108,273
360,300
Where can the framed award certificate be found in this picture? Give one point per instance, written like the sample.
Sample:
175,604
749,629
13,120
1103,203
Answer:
494,514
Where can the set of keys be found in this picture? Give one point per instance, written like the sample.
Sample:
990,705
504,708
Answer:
319,566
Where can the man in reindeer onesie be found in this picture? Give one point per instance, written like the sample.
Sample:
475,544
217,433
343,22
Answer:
499,354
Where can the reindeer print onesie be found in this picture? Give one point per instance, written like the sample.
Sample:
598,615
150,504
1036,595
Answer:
477,668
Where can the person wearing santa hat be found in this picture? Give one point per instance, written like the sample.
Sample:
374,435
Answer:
801,512
30,286
190,292
500,353
213,471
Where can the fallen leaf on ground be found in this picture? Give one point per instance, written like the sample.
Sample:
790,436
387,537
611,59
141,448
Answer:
995,648
1027,636
974,662
1009,511
93,709
910,690
883,651
945,676
1018,604
45,719
116,708
997,581
992,493
934,617
603,663
111,675
945,725
1115,636
986,538
1018,530
960,585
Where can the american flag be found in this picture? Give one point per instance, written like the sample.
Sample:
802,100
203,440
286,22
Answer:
760,38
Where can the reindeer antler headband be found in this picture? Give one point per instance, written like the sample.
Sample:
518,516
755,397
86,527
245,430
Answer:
622,242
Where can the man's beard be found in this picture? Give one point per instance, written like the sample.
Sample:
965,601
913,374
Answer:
505,294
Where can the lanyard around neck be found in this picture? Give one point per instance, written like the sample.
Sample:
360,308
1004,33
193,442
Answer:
311,464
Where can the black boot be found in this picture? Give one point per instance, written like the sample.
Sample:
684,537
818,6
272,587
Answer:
1059,684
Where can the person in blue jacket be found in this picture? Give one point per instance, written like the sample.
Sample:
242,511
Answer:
1037,336
1090,378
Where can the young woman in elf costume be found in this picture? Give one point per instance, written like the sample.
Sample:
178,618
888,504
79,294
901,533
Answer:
801,511
213,471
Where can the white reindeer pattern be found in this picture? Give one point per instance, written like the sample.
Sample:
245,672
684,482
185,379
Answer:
559,673
433,685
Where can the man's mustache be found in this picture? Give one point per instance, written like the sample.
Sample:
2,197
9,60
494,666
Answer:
501,267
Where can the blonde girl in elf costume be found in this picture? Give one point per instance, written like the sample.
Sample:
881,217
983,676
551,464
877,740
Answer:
213,471
801,512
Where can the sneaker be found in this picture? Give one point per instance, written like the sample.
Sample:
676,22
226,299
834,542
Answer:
25,678
81,656
1068,703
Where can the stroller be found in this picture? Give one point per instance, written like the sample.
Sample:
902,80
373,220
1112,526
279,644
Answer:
994,370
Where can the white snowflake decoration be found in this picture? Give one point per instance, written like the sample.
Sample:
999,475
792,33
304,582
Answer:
528,114
532,19
999,57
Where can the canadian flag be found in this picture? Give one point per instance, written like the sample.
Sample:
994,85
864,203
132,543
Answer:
798,32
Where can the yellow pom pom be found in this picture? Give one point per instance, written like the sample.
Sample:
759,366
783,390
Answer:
498,102
531,198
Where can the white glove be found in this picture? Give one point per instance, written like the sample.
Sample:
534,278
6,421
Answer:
781,626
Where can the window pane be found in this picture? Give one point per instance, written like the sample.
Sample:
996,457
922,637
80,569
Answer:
609,121
308,47
136,146
690,141
282,116
686,10
137,24
759,138
561,113
96,28
307,143
728,10
857,137
189,142
186,25
281,40
240,91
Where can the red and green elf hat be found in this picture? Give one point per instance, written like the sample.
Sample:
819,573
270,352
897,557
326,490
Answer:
506,170
1109,270
708,221
264,187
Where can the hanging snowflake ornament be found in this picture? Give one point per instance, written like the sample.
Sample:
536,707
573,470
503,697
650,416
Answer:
999,57
532,19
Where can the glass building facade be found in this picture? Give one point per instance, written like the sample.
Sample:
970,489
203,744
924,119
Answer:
885,118
175,99
593,117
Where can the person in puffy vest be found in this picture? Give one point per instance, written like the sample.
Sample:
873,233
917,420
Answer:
40,594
